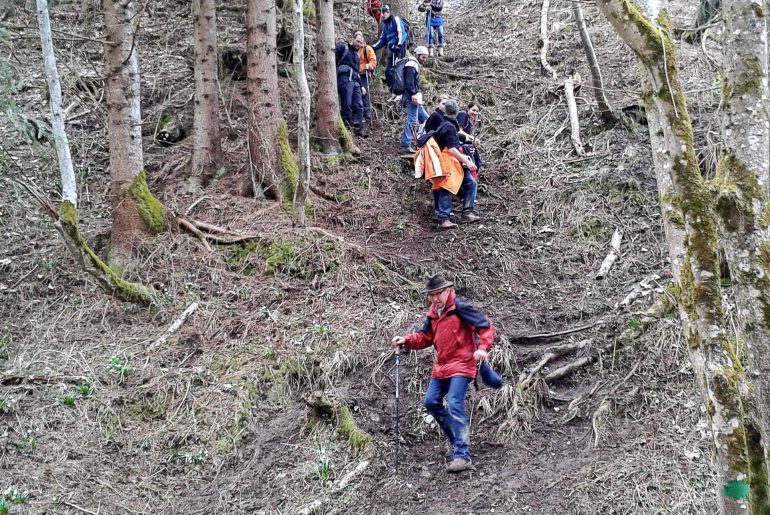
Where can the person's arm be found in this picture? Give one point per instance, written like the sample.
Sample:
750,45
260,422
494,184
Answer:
401,31
371,58
421,339
466,160
411,86
380,42
481,325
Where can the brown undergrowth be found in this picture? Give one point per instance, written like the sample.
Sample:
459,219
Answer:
217,419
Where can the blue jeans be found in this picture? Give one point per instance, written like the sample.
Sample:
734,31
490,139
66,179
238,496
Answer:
351,106
415,115
442,199
434,22
451,419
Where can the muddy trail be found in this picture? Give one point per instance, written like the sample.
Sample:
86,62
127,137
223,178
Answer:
225,418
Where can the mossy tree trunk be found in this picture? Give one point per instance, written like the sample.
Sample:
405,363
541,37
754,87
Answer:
303,117
264,100
720,376
124,127
741,186
207,146
327,107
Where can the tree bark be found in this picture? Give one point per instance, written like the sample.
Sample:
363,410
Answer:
593,62
124,126
207,147
648,35
264,99
742,179
546,66
327,109
66,170
303,117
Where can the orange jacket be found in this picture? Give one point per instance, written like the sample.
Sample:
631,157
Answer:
440,168
366,56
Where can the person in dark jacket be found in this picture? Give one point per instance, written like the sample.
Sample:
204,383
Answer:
436,118
412,97
461,335
349,86
446,136
433,22
467,120
394,36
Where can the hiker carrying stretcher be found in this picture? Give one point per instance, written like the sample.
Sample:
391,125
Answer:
462,335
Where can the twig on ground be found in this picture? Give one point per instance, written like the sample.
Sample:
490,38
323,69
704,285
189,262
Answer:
174,327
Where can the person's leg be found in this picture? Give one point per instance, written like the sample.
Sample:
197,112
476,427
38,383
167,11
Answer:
422,114
388,66
366,100
440,34
434,403
468,191
428,32
458,387
357,106
411,121
442,203
345,94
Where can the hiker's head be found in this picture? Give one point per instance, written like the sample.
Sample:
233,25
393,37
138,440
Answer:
358,34
442,98
385,12
438,290
357,41
450,108
421,53
473,111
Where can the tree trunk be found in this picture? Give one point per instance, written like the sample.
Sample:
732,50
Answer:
264,99
699,285
66,170
135,212
593,62
303,117
327,109
207,148
742,179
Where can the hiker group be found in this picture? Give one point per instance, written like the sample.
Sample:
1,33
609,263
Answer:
442,145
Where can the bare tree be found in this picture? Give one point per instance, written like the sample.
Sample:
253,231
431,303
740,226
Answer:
327,121
303,117
593,62
264,100
136,212
207,148
647,33
66,219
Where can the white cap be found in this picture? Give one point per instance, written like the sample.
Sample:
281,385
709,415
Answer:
420,50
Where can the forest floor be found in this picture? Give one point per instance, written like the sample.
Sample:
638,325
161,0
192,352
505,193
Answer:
218,420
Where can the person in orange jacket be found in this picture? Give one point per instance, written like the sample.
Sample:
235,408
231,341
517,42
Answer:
367,62
462,335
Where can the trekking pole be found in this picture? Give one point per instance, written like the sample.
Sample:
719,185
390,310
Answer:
395,409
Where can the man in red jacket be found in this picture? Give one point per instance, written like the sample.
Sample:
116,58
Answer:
452,326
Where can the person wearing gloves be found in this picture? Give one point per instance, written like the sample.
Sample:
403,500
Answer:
412,97
462,336
394,36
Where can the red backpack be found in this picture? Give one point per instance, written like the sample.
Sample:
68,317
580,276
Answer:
374,9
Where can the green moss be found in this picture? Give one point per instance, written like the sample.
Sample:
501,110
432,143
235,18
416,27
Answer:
308,10
150,210
758,480
287,164
133,292
278,254
358,440
154,408
343,134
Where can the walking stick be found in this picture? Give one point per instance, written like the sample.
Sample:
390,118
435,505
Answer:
395,409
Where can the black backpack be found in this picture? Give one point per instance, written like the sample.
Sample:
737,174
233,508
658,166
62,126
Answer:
395,76
409,44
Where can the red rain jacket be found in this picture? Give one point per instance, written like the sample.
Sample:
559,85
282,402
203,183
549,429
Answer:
453,333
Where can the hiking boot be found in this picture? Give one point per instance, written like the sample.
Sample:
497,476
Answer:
358,130
431,51
408,149
459,465
446,225
365,128
441,51
469,217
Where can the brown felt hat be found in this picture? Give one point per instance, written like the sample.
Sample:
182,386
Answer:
437,283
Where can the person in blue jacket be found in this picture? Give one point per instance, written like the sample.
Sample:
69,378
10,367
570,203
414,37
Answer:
349,87
394,36
412,97
433,21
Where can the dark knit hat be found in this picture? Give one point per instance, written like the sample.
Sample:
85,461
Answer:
437,283
451,108
385,8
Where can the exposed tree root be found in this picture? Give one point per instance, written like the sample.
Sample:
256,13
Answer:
321,405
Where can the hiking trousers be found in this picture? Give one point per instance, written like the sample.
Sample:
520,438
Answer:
415,115
434,22
366,100
351,106
442,199
451,419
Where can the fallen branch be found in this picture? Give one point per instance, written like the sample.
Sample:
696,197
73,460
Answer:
549,336
617,236
11,379
569,94
549,355
544,40
315,506
174,327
